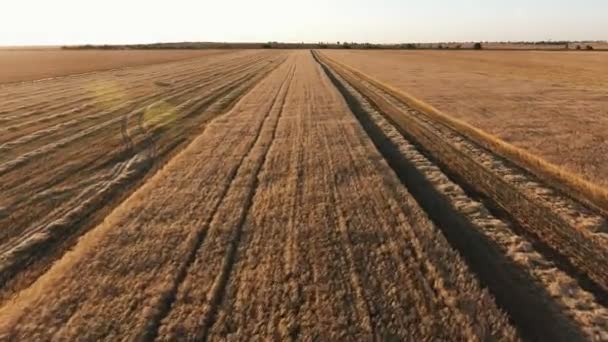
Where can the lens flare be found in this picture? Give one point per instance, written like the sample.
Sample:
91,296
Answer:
159,114
107,94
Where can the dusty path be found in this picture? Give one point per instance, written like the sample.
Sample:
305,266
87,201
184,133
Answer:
281,220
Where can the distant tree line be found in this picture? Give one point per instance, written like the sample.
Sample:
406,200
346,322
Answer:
342,45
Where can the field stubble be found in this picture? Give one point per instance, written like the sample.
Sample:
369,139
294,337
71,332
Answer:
311,201
203,252
68,180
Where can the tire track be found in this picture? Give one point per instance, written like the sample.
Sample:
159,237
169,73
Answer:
153,330
362,305
291,301
290,253
219,286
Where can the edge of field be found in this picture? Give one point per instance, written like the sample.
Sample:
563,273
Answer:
568,182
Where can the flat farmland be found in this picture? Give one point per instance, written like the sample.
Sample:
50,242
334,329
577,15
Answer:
82,142
554,104
280,195
19,65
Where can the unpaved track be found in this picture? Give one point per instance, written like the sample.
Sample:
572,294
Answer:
281,220
83,155
517,268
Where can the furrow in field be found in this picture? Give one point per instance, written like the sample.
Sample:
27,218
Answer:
380,289
385,264
136,255
224,232
154,142
280,270
508,263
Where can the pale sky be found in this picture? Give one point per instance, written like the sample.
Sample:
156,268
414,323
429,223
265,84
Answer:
46,22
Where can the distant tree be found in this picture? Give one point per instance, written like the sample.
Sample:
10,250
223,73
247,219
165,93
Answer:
477,46
458,46
589,47
346,45
440,46
411,46
578,47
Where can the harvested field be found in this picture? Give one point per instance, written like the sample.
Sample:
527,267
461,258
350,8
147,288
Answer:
91,138
19,65
280,195
553,104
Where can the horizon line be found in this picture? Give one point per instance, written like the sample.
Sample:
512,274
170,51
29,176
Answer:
316,42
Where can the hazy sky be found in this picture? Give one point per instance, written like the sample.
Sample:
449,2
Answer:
28,22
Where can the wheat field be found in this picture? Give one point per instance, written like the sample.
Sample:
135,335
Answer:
301,195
